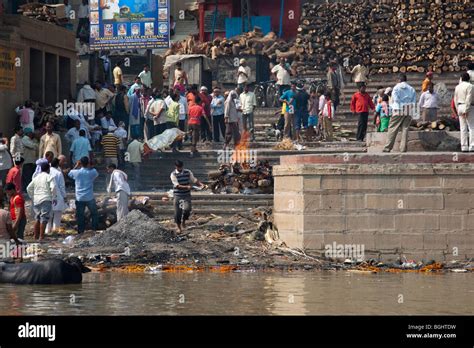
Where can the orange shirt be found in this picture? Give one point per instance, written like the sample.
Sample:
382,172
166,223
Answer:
17,201
195,113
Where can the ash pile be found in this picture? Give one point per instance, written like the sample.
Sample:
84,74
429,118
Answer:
136,229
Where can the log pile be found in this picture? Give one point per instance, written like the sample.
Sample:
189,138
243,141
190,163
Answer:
240,178
430,36
390,35
253,42
443,124
329,31
44,12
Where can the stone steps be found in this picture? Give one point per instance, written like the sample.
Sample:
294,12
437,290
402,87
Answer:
206,203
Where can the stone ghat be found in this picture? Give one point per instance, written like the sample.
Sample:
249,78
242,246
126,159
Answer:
415,205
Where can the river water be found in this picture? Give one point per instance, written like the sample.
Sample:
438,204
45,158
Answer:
258,293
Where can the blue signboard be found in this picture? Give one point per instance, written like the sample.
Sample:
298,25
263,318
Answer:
129,24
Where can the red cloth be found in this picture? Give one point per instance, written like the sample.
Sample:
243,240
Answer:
14,176
195,113
206,103
361,102
18,201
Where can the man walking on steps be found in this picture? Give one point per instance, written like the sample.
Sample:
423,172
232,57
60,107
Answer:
182,180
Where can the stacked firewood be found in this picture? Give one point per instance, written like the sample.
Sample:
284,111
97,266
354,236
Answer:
330,31
253,42
443,124
382,42
42,12
242,178
389,35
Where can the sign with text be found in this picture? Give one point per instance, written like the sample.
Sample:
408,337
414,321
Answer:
129,24
7,69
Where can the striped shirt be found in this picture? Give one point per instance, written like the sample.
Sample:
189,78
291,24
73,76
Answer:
185,177
110,143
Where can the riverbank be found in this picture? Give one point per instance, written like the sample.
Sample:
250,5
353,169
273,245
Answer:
242,242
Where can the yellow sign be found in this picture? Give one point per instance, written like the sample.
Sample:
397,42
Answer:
7,69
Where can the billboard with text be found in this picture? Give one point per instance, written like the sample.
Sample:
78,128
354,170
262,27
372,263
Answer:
129,24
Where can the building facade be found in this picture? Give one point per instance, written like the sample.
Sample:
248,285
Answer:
38,62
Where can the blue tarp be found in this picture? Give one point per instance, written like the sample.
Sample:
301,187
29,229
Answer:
233,26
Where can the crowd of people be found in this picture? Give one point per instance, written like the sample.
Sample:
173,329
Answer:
35,160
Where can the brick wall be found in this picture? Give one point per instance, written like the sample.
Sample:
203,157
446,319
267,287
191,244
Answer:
419,206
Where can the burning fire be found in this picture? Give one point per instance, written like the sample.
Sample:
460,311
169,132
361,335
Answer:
241,153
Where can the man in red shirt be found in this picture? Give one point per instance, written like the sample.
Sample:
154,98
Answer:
14,174
206,133
196,112
360,104
17,210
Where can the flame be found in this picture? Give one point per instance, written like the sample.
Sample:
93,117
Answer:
241,153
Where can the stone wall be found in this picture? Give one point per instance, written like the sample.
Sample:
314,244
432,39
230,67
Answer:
417,205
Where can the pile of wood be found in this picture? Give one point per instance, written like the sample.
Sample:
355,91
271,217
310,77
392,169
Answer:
431,35
443,124
253,42
330,31
241,178
43,12
382,49
389,35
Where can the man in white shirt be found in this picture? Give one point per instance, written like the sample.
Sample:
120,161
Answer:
249,102
429,104
134,156
118,182
145,77
41,190
243,74
463,99
16,144
59,204
86,94
359,74
283,76
73,133
107,122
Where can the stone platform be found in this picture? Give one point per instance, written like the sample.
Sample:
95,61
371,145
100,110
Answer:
420,205
418,141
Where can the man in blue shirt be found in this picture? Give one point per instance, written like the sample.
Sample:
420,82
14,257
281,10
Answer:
288,98
404,108
84,177
81,147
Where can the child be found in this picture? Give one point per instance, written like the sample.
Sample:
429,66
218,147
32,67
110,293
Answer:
326,112
313,110
384,110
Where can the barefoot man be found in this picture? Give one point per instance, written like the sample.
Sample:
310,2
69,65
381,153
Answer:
182,180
